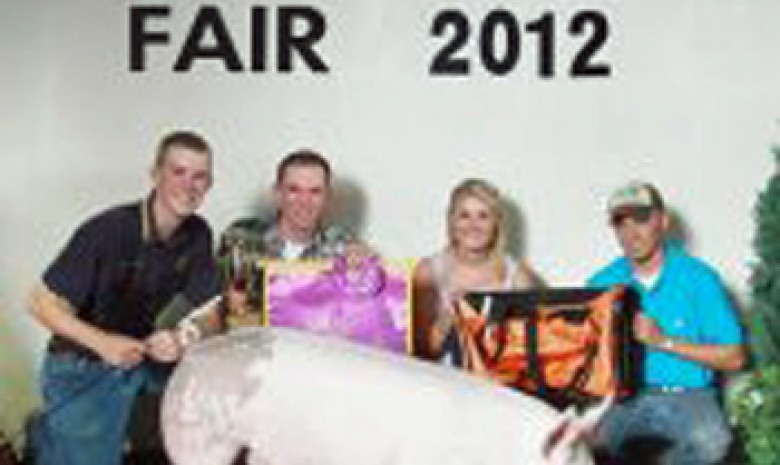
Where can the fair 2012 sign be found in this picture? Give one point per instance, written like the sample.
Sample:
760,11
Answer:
495,41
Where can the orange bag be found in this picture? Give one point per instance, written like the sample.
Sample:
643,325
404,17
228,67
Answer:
565,345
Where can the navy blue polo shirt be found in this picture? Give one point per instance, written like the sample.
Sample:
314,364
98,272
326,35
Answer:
118,275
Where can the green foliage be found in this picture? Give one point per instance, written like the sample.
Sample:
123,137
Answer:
765,312
754,401
754,404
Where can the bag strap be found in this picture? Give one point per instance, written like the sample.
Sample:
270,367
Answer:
535,371
585,370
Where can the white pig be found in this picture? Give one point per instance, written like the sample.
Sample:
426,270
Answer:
292,398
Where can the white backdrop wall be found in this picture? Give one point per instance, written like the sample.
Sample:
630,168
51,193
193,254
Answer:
691,104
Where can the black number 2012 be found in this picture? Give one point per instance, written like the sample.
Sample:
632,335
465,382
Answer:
447,60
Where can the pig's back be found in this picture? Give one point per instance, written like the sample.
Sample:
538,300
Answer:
303,399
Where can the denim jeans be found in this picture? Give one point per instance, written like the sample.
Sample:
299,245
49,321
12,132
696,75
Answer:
689,427
87,405
451,351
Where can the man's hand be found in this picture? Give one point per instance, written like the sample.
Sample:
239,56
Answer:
357,251
163,346
647,331
237,299
121,351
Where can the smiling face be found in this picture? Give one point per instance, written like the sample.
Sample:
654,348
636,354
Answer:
473,225
641,236
301,197
181,181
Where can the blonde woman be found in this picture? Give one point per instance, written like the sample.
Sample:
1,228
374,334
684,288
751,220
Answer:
473,259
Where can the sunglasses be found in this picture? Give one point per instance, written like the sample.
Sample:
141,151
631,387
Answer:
640,215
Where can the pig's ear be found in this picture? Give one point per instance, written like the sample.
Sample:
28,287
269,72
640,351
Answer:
559,435
591,418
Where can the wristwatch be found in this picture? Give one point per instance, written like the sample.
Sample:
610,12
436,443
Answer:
667,344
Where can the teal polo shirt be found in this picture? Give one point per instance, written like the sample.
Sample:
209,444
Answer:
689,302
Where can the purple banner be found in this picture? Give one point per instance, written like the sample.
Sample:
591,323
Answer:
366,303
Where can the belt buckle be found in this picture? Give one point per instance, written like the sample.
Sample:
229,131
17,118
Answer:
673,389
667,389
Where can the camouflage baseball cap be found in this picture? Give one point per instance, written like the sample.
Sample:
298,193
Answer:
635,195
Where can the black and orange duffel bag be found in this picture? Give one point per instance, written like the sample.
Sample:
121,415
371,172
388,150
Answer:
567,345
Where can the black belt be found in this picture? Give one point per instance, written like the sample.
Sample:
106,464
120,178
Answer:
59,345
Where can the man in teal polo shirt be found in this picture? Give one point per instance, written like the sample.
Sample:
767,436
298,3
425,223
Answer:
688,330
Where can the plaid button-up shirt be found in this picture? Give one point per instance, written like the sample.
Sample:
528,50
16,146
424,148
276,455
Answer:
248,241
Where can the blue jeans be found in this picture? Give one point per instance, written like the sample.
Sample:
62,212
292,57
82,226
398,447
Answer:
87,406
451,351
689,426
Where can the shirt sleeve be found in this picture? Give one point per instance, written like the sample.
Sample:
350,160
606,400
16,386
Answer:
717,316
596,281
616,272
73,274
603,278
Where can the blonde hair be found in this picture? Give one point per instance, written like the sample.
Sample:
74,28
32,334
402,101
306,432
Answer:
484,191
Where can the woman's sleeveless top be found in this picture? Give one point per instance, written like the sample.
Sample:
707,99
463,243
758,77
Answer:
442,276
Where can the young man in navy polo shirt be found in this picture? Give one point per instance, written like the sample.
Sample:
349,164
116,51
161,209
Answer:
688,330
103,298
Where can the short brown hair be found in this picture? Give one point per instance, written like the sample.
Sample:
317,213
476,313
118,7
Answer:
185,139
303,157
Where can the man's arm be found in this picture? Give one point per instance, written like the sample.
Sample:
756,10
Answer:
57,315
722,357
718,357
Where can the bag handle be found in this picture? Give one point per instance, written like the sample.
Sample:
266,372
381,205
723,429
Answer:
584,371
